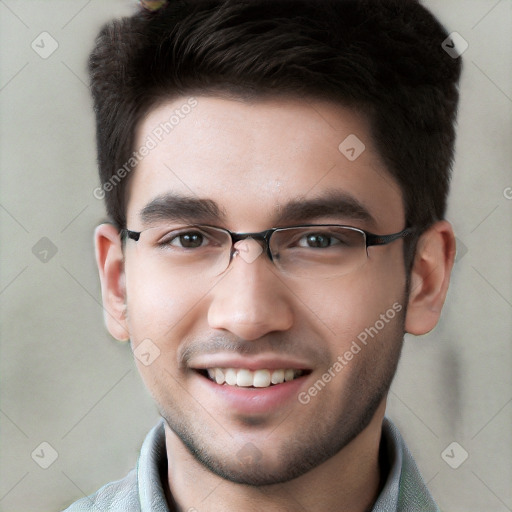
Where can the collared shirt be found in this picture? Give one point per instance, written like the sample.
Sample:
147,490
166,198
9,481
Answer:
142,490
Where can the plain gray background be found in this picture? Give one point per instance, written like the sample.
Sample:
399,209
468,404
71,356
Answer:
66,382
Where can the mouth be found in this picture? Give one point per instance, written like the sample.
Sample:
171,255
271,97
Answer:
245,378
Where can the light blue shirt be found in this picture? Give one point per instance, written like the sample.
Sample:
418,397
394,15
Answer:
142,491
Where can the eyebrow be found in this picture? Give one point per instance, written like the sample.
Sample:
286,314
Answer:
175,207
332,204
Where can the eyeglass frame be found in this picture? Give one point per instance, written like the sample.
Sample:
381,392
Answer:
371,239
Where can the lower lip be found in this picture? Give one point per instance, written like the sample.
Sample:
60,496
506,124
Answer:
249,401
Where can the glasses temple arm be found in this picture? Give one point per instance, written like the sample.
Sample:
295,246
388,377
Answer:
372,239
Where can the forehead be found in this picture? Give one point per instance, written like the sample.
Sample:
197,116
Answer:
253,158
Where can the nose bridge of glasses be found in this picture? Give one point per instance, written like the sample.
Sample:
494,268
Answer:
262,238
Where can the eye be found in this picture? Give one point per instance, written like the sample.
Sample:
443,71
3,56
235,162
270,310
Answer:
319,240
184,239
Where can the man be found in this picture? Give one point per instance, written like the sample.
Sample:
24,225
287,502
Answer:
276,174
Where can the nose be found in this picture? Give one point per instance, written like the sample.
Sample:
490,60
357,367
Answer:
250,301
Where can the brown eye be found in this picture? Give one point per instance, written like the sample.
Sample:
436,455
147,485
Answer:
183,239
191,240
319,240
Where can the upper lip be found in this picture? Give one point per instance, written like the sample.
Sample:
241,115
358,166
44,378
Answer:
264,362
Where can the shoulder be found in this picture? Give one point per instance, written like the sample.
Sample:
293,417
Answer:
119,496
142,483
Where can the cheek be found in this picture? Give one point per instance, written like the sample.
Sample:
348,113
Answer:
346,306
159,306
164,311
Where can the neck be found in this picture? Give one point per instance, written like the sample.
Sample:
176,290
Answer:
349,481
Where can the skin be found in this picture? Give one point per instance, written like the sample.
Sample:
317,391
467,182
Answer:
252,158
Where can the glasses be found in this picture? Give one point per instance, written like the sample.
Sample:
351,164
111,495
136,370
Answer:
309,251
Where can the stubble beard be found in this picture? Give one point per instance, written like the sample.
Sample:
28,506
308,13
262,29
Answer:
312,444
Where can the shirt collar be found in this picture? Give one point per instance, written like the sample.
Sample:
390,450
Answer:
404,489
150,470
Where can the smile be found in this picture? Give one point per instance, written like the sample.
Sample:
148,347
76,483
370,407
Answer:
242,377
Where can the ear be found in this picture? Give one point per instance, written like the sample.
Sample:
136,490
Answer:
430,276
110,261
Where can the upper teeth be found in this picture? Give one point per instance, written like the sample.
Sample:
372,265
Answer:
247,378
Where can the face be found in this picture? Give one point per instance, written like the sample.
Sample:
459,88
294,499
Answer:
248,167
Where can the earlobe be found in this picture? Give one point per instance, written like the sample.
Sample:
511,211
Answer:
110,261
430,277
